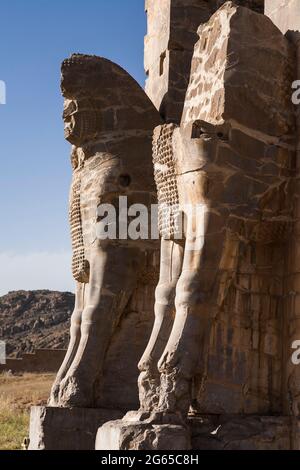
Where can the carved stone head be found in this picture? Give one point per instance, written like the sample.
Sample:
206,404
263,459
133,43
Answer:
100,97
82,121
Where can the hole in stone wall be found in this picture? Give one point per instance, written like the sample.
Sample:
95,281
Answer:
125,180
223,135
199,130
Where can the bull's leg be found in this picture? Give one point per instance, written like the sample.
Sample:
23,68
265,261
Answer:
75,335
113,276
196,303
170,268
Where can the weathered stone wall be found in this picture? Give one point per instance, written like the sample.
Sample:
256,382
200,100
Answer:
245,433
246,362
41,360
156,59
171,36
245,365
172,33
284,13
120,372
235,82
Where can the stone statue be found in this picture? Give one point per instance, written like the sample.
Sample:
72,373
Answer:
226,201
109,121
217,370
220,170
192,170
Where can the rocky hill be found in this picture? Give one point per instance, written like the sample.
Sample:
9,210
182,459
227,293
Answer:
35,319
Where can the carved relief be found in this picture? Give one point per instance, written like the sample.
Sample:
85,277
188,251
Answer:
109,121
238,168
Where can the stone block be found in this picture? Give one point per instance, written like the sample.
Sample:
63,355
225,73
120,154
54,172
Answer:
169,44
123,435
245,433
205,432
66,428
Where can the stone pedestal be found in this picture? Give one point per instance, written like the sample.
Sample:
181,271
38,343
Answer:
126,435
66,428
213,432
238,432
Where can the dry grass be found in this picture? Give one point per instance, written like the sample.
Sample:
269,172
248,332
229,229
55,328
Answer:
17,395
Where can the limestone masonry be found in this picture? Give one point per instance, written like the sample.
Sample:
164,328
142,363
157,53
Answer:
186,345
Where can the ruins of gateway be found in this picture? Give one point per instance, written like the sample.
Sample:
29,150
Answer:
173,348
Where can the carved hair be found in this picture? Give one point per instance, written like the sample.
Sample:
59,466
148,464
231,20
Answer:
103,87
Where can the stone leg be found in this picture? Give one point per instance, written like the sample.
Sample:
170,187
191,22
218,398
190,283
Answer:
179,361
113,275
75,335
195,302
170,268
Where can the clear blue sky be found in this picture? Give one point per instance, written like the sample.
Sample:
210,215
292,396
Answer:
36,35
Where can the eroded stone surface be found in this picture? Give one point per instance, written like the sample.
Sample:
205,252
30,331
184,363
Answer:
226,305
66,429
245,433
284,13
207,432
122,435
109,121
234,155
169,44
247,331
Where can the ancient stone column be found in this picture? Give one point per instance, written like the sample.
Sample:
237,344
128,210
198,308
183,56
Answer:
109,121
286,15
169,44
234,154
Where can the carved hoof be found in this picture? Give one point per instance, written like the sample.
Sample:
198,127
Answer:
148,389
74,393
54,395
